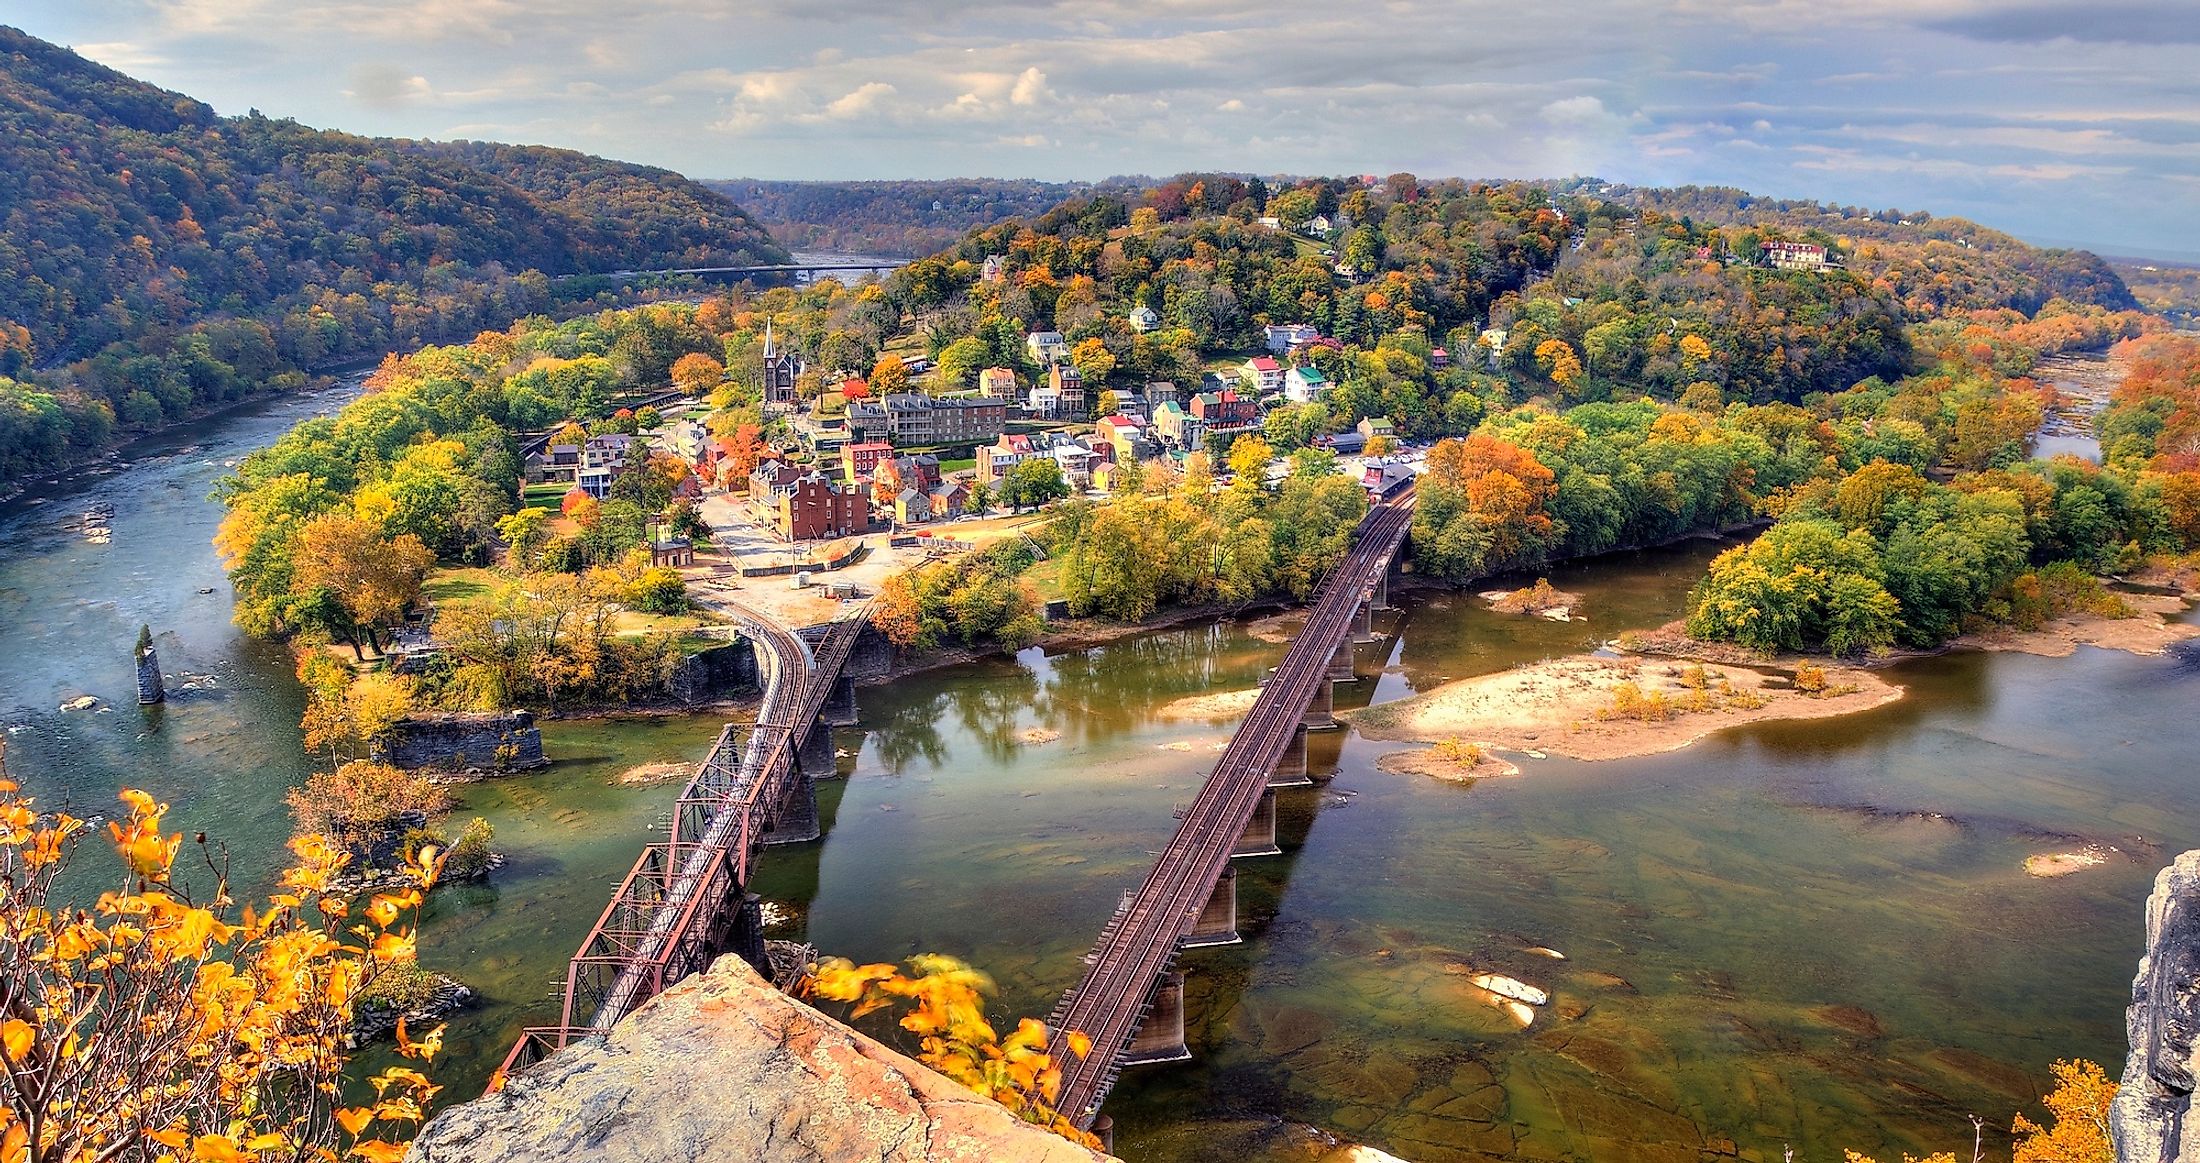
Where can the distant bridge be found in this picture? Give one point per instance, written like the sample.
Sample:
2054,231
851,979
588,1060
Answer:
686,901
1131,1003
796,269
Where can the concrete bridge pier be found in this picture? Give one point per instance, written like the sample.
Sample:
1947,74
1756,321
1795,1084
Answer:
1321,710
840,706
795,821
1260,831
814,759
1381,600
1217,923
748,935
1291,765
1340,664
1161,1037
1363,624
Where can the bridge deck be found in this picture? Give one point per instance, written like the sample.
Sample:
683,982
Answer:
668,917
1141,942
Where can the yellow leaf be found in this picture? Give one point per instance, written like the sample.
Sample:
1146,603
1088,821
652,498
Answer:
377,1151
217,1149
17,1036
1080,1043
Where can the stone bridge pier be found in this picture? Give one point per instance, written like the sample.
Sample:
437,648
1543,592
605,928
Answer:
1160,1038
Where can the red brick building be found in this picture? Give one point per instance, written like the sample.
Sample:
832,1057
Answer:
814,508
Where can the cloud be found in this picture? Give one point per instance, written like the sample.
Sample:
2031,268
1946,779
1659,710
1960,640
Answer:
386,86
859,102
1961,106
1030,87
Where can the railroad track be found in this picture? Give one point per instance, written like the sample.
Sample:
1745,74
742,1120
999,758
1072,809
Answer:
1141,942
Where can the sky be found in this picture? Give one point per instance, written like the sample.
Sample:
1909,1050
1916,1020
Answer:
2063,121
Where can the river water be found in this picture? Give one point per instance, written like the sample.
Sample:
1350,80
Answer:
1812,934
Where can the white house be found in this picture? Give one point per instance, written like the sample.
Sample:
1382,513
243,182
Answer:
1282,337
1047,346
1319,226
1304,385
1494,339
1144,318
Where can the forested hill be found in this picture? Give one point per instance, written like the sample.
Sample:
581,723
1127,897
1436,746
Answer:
900,218
1934,264
126,209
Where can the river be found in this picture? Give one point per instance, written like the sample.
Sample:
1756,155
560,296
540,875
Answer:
1813,934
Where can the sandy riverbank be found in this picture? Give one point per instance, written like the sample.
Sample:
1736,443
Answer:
1556,706
1220,705
2147,631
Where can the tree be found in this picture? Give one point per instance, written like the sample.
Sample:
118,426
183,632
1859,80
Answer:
1033,483
1559,363
697,374
2078,1132
1248,460
889,376
151,1022
1381,445
1093,360
372,578
526,532
947,1014
961,361
1108,403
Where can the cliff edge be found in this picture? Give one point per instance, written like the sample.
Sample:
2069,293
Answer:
2152,1120
724,1067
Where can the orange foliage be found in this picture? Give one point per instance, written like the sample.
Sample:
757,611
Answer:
213,1032
947,1013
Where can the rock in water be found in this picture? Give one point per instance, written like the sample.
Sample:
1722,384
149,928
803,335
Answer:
722,1066
2149,1121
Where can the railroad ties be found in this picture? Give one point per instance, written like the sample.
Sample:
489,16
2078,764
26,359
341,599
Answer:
686,900
1131,1000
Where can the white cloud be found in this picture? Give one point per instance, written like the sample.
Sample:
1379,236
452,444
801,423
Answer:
860,101
1960,106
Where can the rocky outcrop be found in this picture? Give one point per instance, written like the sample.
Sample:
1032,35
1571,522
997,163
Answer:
723,1067
2152,1120
496,741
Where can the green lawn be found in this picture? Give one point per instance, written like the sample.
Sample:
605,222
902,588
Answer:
457,584
543,496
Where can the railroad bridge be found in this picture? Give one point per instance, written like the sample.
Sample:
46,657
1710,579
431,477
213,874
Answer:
686,900
1131,1000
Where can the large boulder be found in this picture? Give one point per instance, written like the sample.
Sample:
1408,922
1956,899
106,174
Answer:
723,1067
2153,1111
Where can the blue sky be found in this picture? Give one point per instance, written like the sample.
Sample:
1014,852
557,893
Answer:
2054,119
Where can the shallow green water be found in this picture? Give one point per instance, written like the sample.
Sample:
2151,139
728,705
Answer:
1812,934
1715,905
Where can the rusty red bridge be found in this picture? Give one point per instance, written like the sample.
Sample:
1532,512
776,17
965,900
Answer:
1131,1001
686,900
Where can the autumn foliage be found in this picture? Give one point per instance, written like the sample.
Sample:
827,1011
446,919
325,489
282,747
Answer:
945,1006
166,1021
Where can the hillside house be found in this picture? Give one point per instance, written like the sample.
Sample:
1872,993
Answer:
1159,392
1282,337
1492,340
1126,434
997,381
1046,347
1375,426
903,419
1305,385
1795,256
1169,424
1062,397
1262,375
672,553
1145,318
